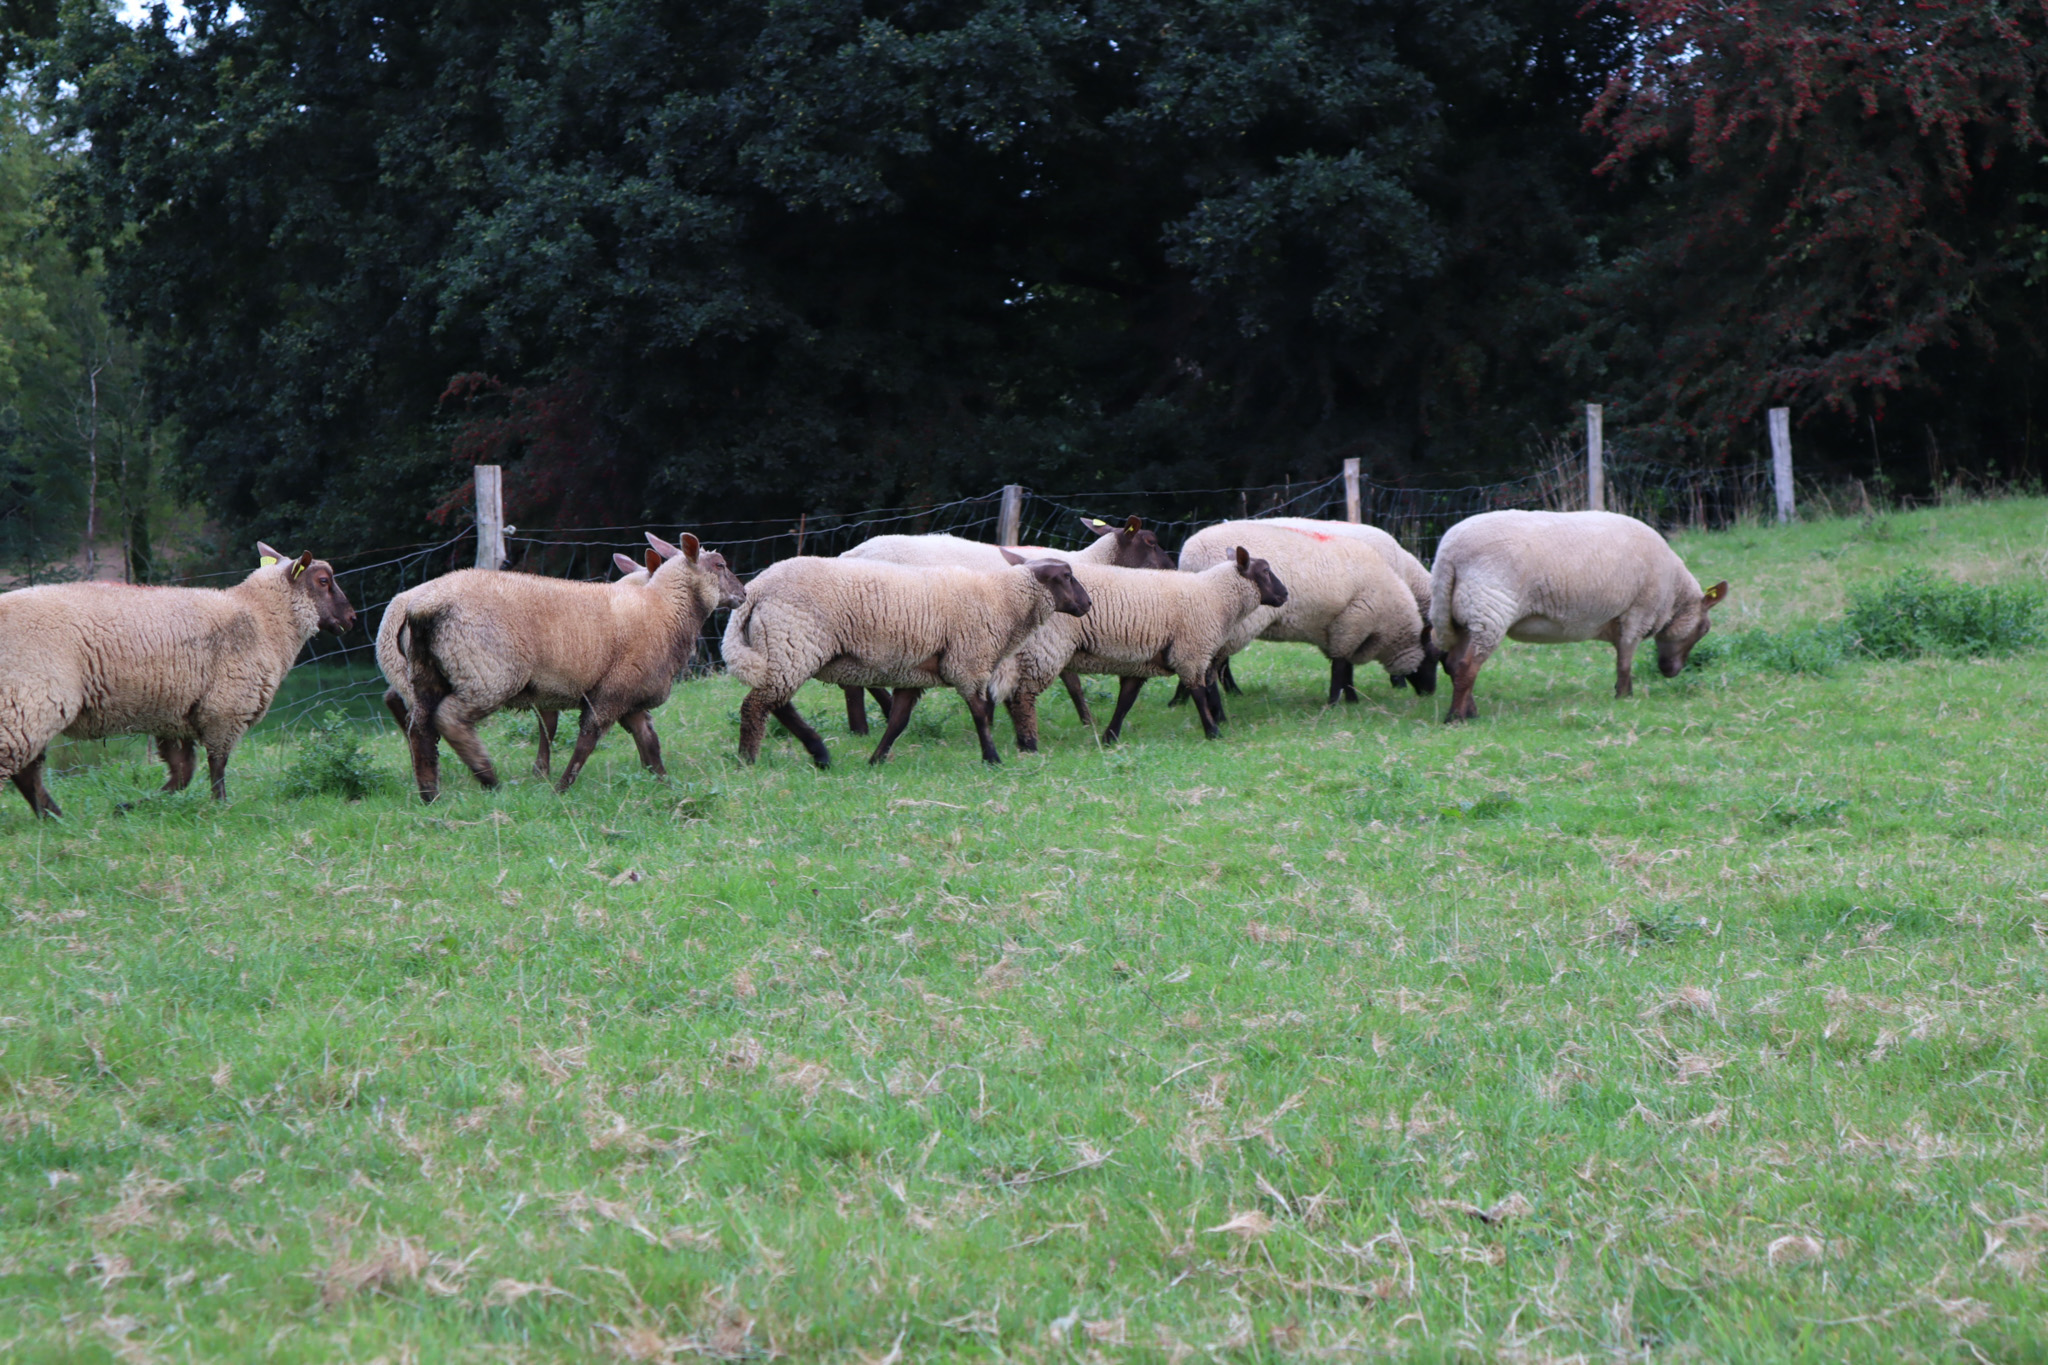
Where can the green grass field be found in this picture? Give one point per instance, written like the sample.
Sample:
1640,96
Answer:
1707,1025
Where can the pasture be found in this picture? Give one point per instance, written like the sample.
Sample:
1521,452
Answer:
1706,1025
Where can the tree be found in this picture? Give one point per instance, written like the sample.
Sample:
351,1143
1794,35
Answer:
76,437
756,258
1835,191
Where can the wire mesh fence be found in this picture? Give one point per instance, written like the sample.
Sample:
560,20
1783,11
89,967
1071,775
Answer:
342,674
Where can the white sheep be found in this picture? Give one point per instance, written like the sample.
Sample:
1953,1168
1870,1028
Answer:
1406,567
91,660
391,660
1341,596
492,639
1141,623
1128,546
1557,578
869,623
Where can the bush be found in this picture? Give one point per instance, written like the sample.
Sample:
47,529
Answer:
1804,649
1917,614
331,761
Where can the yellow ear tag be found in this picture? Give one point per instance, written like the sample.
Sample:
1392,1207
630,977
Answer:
269,560
296,570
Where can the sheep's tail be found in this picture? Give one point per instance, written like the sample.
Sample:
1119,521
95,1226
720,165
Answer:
742,659
430,684
1443,587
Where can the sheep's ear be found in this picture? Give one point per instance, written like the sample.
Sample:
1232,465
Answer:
1008,557
690,547
1097,525
1131,527
625,564
1713,596
668,551
268,555
653,561
300,565
1244,560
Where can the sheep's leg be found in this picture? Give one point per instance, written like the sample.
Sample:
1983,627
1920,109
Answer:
1208,699
425,743
591,729
900,706
544,753
640,726
177,757
459,729
1230,683
29,782
217,751
1179,697
984,712
1077,695
1344,679
753,724
395,704
1215,690
1023,711
814,743
1462,663
1625,664
1126,696
857,711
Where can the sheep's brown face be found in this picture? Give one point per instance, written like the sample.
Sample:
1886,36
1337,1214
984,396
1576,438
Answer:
1257,572
731,592
314,578
1136,548
1688,628
1068,596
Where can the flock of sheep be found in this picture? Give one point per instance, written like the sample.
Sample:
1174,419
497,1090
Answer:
892,617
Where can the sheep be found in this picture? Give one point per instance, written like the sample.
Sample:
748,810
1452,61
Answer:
869,623
1341,597
491,639
1558,578
1129,546
90,660
397,671
1141,623
1406,567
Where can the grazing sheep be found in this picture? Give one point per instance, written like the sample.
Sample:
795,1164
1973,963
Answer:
391,660
1129,546
1341,597
1141,623
491,639
90,660
1406,567
1557,578
869,623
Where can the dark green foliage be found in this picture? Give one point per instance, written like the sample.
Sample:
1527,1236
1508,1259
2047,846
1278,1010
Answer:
1917,614
758,259
331,761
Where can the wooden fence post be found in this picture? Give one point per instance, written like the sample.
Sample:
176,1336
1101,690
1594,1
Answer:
1351,491
1012,513
490,517
1596,463
1781,461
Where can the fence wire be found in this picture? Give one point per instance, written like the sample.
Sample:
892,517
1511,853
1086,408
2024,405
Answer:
342,674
